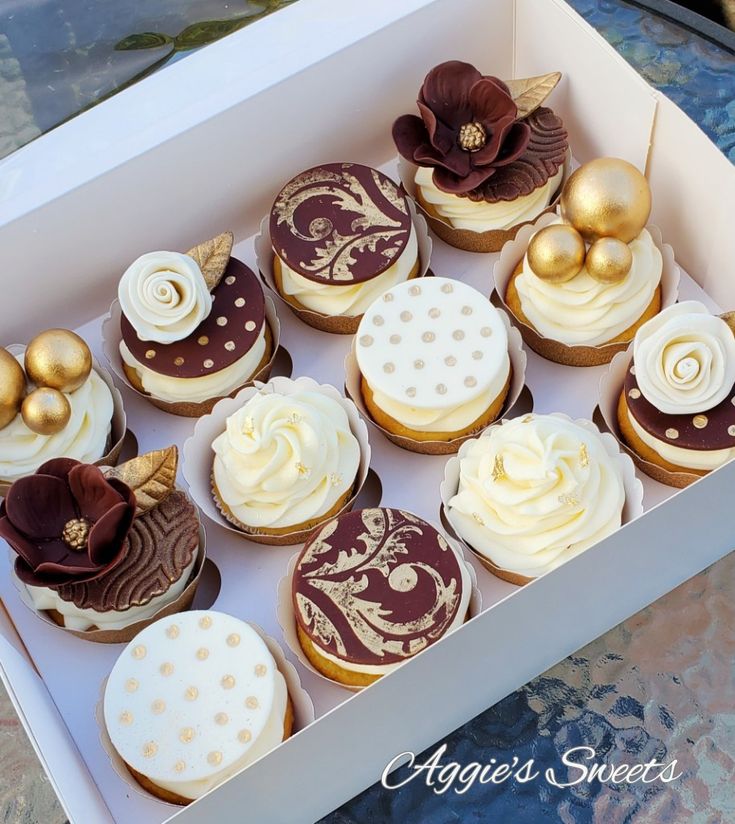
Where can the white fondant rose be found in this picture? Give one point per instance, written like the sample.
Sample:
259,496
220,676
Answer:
164,296
684,359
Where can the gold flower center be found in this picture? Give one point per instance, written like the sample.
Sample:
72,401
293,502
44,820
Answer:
472,136
75,533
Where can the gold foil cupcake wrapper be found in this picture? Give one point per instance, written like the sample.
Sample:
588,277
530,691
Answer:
573,355
491,240
111,338
287,618
632,509
199,456
336,324
518,394
303,709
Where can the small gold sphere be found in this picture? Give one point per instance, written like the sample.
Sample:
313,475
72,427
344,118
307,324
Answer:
556,253
609,260
58,359
12,387
46,411
607,197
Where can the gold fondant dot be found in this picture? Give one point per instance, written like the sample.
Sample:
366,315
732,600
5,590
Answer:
378,320
450,360
179,766
411,391
221,718
228,682
470,381
150,749
240,302
260,670
178,361
202,653
441,389
250,326
208,363
367,340
221,321
672,434
229,280
244,736
447,288
172,631
434,313
406,316
186,736
166,669
428,337
458,334
233,640
418,364
214,758
389,368
731,431
139,652
635,393
486,331
150,354
477,355
131,685
414,291
388,297
203,340
205,622
191,694
251,702
395,339
126,718
700,421
466,310
230,345
158,706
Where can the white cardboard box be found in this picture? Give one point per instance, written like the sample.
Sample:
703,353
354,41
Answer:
203,146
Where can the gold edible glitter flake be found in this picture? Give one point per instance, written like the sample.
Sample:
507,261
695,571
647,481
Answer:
498,469
584,457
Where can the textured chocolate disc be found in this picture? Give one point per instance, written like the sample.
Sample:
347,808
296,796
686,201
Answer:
544,156
340,223
376,586
713,429
225,336
161,544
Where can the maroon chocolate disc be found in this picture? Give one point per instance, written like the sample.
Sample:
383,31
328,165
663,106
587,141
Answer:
225,336
340,223
544,156
376,586
712,429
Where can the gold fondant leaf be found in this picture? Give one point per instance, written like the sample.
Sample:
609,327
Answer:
151,476
213,256
529,93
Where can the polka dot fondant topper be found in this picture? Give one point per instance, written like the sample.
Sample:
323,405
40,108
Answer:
225,336
431,343
189,696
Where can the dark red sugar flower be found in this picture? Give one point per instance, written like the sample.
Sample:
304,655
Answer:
67,523
468,127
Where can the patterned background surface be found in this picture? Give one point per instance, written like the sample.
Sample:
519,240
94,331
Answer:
659,685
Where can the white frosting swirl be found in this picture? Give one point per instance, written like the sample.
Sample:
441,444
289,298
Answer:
84,438
285,459
164,296
583,311
536,491
195,390
479,216
349,299
685,359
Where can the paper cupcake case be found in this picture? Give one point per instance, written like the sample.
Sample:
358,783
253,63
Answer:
337,324
303,710
517,394
199,456
287,618
490,241
111,338
118,429
632,509
573,355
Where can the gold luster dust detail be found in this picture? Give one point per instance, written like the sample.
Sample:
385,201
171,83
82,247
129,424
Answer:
250,326
731,431
205,622
478,518
139,652
367,340
186,736
302,469
411,391
414,291
251,702
466,310
486,331
378,320
221,718
150,354
150,749
233,639
131,685
700,421
214,758
527,419
672,434
260,670
336,478
395,339
441,389
458,334
229,280
434,313
447,288
221,321
244,736
428,337
406,316
230,345
179,766
227,682
158,706
418,364
568,499
450,360
498,473
294,418
208,363
178,361
173,631
166,669
477,355
191,694
584,457
202,653
203,340
388,297
240,302
470,381
126,718
634,393
389,368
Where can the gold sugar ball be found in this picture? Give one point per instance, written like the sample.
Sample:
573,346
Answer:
58,359
609,260
607,197
556,253
12,387
46,411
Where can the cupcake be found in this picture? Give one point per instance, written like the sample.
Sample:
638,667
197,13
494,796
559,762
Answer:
433,359
285,462
191,701
193,326
534,492
591,276
371,589
485,156
103,550
341,235
675,409
55,403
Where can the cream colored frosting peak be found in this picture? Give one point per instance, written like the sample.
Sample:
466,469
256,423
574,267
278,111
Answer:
285,459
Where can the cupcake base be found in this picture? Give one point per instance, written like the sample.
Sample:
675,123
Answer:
331,670
396,428
643,450
174,798
578,355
